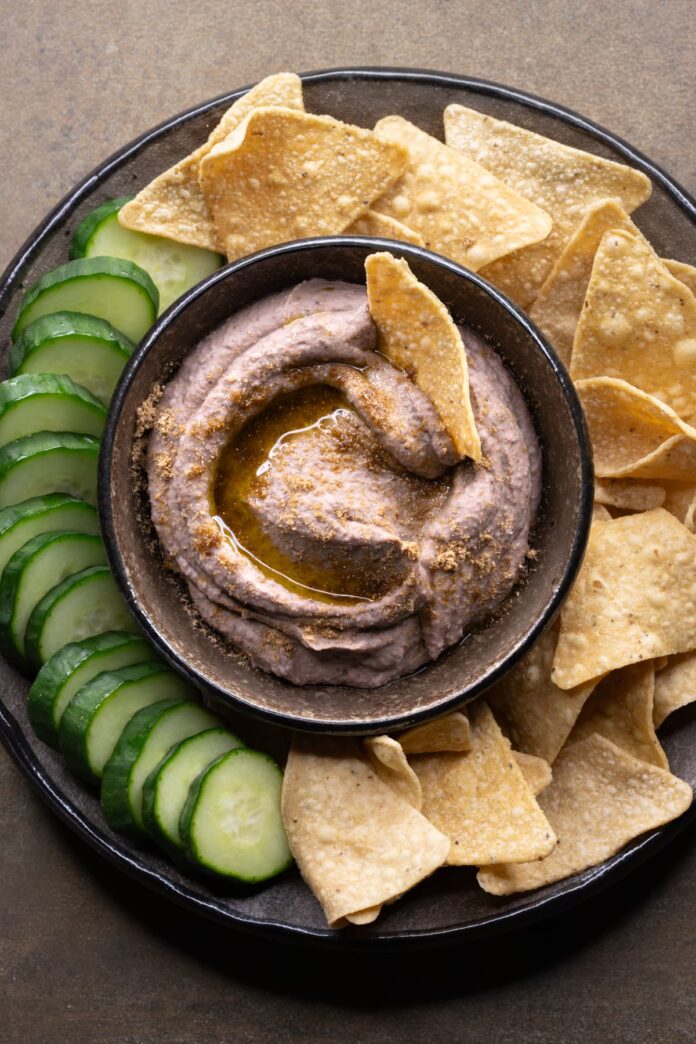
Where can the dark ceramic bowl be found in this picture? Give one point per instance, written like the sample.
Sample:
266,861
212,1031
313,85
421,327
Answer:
157,596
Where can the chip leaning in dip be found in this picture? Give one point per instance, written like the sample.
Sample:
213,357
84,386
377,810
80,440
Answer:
313,494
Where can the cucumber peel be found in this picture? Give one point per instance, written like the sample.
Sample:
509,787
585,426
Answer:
87,349
108,287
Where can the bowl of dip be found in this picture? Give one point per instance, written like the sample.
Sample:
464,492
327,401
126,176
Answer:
287,516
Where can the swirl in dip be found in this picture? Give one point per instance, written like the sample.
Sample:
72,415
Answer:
309,494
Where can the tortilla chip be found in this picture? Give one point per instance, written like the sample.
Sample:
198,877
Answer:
357,843
675,686
629,494
365,916
534,713
449,733
561,180
391,765
634,598
373,224
686,274
460,209
638,323
680,501
634,435
600,798
600,513
536,771
621,709
284,174
558,304
481,799
418,334
173,205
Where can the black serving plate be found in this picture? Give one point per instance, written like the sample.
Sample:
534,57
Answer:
449,905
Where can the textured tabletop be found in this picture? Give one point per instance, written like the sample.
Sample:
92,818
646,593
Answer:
86,955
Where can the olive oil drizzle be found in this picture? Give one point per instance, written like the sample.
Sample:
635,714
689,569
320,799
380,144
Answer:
243,469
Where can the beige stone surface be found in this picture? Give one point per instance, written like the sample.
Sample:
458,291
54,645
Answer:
85,955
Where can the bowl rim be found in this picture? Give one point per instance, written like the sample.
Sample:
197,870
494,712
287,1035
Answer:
108,512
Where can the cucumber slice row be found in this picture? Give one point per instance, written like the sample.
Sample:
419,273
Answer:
144,742
49,462
56,511
47,402
231,823
96,716
174,267
71,668
82,605
35,569
87,349
106,287
167,787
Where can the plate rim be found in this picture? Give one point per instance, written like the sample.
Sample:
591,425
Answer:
12,735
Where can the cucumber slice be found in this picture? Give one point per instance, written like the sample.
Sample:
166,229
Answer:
174,267
166,788
85,348
20,522
49,462
107,287
144,742
34,570
47,402
82,605
72,667
97,714
231,822
88,230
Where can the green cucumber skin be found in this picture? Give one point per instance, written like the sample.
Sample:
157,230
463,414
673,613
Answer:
12,578
33,635
117,771
73,731
22,397
152,783
44,442
48,685
17,392
45,512
86,268
65,326
188,814
90,224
